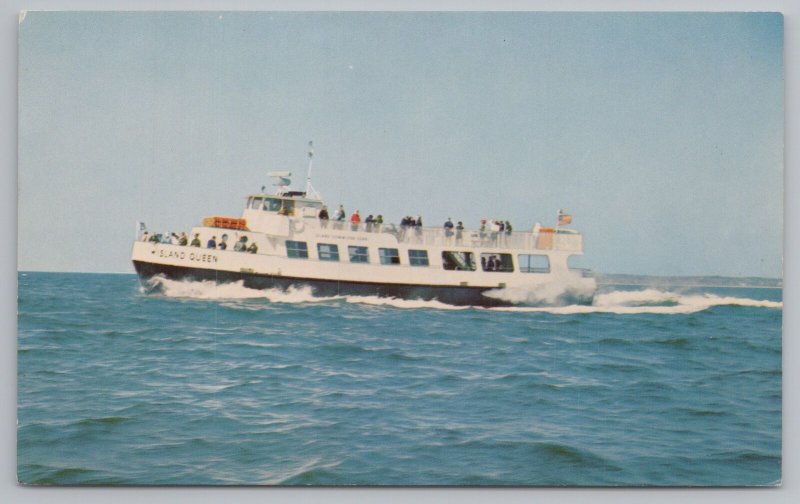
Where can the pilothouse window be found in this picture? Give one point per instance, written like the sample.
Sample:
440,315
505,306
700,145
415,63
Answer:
255,203
272,204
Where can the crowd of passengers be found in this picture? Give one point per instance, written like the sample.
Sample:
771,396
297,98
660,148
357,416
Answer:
492,229
183,240
495,229
371,223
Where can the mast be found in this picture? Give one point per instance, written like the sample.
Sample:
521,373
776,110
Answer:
310,191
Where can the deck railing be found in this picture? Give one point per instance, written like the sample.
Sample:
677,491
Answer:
552,239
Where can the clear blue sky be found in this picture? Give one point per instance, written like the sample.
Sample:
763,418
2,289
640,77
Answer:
661,133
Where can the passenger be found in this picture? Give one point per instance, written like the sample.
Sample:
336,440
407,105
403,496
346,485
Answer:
448,228
283,210
459,231
212,243
171,238
483,230
196,240
145,237
355,220
155,238
253,248
369,221
508,228
241,245
224,243
339,218
494,228
323,217
401,233
378,223
418,223
183,240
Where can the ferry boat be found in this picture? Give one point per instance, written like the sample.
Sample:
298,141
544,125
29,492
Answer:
280,241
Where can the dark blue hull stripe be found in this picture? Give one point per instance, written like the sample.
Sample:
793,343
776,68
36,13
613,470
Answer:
455,295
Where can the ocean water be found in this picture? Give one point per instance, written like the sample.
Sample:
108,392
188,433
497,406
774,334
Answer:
224,385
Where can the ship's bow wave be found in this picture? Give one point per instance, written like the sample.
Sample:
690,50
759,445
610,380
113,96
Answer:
573,289
208,289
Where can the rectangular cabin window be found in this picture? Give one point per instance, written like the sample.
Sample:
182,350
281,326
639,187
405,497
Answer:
272,204
389,255
296,249
255,203
497,262
534,263
328,252
358,254
288,208
418,258
458,261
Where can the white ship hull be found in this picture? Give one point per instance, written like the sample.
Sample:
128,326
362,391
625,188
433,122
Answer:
296,250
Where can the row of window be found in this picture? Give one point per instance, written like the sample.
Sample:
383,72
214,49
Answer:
451,260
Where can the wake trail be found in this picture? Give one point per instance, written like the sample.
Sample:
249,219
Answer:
623,302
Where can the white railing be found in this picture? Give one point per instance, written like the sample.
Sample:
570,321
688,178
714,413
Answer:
561,240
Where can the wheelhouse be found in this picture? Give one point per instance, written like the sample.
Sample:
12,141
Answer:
291,204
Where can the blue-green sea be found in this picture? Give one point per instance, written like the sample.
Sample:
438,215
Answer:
223,385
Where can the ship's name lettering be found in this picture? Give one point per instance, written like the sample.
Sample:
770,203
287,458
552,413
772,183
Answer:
342,237
192,256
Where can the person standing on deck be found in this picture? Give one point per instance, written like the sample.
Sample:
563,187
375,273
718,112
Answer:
355,220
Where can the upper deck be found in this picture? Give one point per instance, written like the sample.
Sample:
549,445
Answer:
294,215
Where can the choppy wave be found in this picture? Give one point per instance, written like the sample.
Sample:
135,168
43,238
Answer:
622,302
196,391
208,289
652,301
403,303
570,288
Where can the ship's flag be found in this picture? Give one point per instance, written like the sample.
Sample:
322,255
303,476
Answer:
564,219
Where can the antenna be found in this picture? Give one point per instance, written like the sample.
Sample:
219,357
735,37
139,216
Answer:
310,191
282,180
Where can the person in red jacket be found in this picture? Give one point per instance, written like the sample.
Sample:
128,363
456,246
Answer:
355,220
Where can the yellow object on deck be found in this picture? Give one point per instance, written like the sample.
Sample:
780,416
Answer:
225,222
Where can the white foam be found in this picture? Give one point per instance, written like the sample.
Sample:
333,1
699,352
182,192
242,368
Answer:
649,301
569,286
403,303
208,289
622,302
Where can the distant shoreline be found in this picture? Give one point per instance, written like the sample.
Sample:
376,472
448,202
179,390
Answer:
689,281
